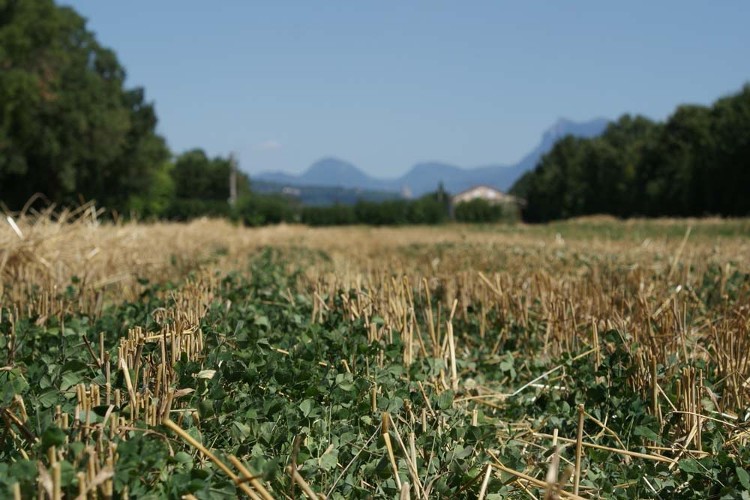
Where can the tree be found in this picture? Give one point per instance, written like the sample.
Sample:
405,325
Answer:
68,126
729,159
480,210
198,176
551,193
260,210
674,169
616,157
201,187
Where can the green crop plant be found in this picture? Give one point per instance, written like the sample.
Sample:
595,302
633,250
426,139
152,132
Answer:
209,361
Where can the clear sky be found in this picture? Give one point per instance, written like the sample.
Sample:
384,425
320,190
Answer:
385,84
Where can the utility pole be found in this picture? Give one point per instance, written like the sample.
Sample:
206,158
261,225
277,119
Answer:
232,179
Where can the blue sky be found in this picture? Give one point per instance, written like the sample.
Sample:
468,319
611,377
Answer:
385,84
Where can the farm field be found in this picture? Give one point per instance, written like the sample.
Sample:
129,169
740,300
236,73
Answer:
593,358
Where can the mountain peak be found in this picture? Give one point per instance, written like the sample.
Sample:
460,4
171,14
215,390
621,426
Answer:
564,126
561,122
332,171
331,164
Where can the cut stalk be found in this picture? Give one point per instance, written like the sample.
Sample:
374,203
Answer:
253,478
221,465
452,354
306,489
536,482
635,454
387,438
485,482
579,448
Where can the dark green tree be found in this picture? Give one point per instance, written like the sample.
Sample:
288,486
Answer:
615,159
68,126
728,162
333,215
552,191
480,211
198,176
201,187
264,209
672,173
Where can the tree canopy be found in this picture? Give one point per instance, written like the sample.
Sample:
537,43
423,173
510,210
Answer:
696,163
69,127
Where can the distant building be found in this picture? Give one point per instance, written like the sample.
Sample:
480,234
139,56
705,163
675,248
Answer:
488,194
291,191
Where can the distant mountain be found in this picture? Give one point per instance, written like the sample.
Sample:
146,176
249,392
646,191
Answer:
335,172
504,177
325,172
562,128
424,177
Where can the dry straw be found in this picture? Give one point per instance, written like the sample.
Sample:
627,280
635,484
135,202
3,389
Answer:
571,296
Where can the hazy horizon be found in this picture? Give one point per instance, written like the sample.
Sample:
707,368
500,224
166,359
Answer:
385,86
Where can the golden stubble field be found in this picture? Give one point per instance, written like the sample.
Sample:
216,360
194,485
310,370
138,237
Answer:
636,276
676,289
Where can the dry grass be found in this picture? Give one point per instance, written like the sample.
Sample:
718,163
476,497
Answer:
562,285
575,281
573,285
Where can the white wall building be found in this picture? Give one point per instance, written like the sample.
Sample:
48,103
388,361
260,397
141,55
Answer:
486,193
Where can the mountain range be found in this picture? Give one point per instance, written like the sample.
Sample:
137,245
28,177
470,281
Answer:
424,177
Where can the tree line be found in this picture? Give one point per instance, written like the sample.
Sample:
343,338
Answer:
432,208
695,163
68,125
72,131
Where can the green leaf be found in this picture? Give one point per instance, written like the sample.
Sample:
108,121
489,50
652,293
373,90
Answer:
646,432
102,410
48,398
744,477
69,379
306,407
205,408
690,466
12,383
240,431
74,365
262,321
329,460
182,458
461,452
76,447
67,472
445,400
24,470
395,404
195,433
238,328
52,436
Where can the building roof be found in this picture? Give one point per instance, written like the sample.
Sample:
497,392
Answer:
486,193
